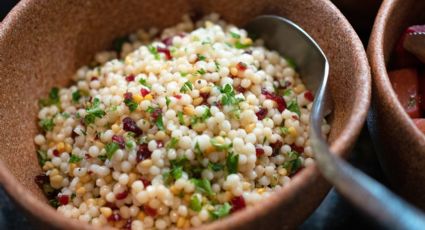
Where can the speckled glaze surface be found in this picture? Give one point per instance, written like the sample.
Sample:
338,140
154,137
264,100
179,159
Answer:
43,42
400,145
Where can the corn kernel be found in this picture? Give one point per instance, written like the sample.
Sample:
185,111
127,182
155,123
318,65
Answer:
292,132
81,191
106,212
137,98
68,148
188,110
234,71
115,128
282,171
48,165
56,181
131,178
174,190
146,163
54,172
86,178
181,222
60,147
249,128
247,41
299,88
141,216
261,190
205,89
197,101
148,97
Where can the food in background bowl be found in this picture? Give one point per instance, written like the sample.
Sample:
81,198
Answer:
186,127
407,75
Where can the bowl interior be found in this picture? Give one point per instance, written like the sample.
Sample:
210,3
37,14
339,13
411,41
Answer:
42,44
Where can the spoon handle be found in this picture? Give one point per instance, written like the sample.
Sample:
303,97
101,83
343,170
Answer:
364,192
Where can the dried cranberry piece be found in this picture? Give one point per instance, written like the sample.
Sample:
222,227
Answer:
156,113
130,78
55,153
127,225
241,66
238,203
178,96
259,151
119,140
276,147
114,217
240,89
298,149
309,96
87,156
144,91
130,125
94,79
204,95
281,104
150,211
159,144
121,195
165,51
63,199
168,41
145,182
111,206
143,153
128,96
261,114
41,180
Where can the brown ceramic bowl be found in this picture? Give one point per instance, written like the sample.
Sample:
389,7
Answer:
43,42
400,145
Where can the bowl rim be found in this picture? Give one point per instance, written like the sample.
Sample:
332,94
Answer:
381,82
341,145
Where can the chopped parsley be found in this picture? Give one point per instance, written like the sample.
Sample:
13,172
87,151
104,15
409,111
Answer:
220,146
293,107
201,71
54,202
93,112
42,157
221,211
110,149
203,186
167,101
239,45
201,57
47,124
284,130
153,50
232,161
180,116
215,166
235,35
287,92
293,162
76,95
53,98
159,122
144,82
198,151
75,159
195,203
228,95
187,86
217,65
132,105
172,143
291,63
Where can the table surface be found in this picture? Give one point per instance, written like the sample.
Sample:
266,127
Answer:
333,213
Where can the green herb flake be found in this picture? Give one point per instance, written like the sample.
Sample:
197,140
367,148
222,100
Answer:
205,115
150,109
219,145
221,211
201,71
232,161
287,92
110,149
172,143
180,116
203,186
47,124
228,96
53,98
144,82
167,101
215,166
291,62
102,157
132,105
293,162
153,50
284,130
201,57
217,65
239,45
75,159
235,35
54,202
187,86
160,123
293,107
42,157
129,145
93,112
195,203
183,74
76,95
198,151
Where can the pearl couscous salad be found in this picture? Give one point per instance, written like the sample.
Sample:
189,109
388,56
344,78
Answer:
174,129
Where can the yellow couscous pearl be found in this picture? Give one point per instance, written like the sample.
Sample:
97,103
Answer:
137,98
292,131
148,97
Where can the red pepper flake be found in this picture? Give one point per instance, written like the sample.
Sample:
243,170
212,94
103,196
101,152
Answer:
130,125
150,211
119,140
309,96
261,114
178,96
165,51
41,180
63,199
87,156
94,79
259,151
298,149
130,78
144,91
121,195
128,96
241,66
168,41
56,153
204,95
295,117
160,144
276,147
281,104
114,217
143,153
156,113
111,206
240,89
287,84
145,182
238,203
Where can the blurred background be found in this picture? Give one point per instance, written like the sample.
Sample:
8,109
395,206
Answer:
334,212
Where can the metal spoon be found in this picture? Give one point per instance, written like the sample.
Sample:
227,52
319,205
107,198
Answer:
364,192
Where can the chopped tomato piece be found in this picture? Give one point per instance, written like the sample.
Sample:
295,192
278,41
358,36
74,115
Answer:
405,85
420,123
